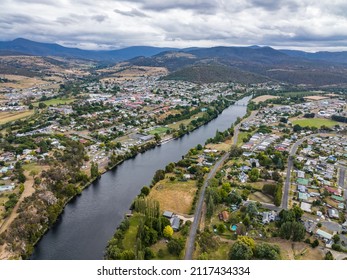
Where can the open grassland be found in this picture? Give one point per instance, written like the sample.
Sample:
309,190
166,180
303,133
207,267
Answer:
316,122
224,146
6,117
263,98
298,93
56,101
174,196
22,82
242,135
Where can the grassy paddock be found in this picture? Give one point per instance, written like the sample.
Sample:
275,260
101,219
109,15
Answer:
56,101
174,196
316,122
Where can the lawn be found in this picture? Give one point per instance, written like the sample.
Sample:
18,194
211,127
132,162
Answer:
13,116
259,196
162,245
174,196
221,253
56,101
129,240
316,122
159,130
242,135
298,93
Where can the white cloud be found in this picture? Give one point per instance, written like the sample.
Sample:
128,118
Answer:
107,24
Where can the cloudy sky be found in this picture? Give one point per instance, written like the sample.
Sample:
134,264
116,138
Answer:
108,24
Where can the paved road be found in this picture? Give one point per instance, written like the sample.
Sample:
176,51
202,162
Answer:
197,215
342,177
292,152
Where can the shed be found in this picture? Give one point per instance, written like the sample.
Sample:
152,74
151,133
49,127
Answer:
323,234
168,214
175,223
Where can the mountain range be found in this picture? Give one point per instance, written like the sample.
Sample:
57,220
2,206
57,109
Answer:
240,64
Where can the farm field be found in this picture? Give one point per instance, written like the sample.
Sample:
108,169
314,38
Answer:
263,98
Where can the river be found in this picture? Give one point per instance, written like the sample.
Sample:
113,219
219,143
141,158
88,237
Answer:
89,220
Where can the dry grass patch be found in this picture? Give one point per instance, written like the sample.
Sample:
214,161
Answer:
263,98
225,146
174,196
13,116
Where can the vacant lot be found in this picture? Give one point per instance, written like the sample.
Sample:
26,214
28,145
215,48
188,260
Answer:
13,116
316,122
259,196
185,122
174,196
224,146
263,98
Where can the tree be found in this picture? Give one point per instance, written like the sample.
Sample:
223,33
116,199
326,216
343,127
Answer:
31,106
297,128
240,251
254,174
42,105
329,256
336,238
33,173
168,232
145,190
175,246
221,228
157,137
94,170
276,176
315,243
252,209
235,151
265,251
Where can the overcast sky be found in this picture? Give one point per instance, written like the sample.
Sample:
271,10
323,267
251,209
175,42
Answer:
108,24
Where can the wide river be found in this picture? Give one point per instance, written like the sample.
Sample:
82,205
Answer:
89,221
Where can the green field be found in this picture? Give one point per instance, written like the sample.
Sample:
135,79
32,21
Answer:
242,135
298,93
56,101
315,122
159,130
129,240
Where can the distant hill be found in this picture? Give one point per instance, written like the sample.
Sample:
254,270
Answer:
333,57
25,46
215,73
261,62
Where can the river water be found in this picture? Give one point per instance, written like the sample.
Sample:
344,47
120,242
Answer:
89,221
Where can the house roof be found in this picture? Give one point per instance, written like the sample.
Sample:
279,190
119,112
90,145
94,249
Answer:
305,206
324,234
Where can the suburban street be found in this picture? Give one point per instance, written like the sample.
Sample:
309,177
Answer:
197,216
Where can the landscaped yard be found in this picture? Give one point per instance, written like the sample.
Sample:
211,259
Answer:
174,196
316,122
13,116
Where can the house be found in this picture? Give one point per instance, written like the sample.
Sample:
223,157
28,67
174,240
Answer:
223,216
333,213
309,226
301,174
324,235
268,217
301,188
175,223
168,214
303,196
243,177
305,207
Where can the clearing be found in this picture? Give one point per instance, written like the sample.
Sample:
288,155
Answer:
263,98
6,117
316,122
174,196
